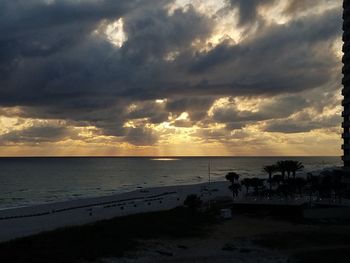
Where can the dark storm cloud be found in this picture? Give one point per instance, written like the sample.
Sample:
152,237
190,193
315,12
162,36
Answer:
141,136
300,125
278,108
290,127
36,134
248,9
93,73
55,66
47,52
183,124
196,107
84,78
153,32
155,112
20,18
35,29
281,58
296,6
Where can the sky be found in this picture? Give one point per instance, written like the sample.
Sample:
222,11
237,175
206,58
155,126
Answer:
170,77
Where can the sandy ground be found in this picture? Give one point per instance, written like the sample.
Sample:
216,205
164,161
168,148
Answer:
236,241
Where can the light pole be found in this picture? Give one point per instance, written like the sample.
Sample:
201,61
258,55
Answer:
209,180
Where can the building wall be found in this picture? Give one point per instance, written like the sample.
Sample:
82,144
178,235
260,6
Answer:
346,84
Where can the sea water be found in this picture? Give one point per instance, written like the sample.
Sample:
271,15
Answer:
27,181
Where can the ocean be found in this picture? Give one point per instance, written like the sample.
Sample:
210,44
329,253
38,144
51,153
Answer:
28,181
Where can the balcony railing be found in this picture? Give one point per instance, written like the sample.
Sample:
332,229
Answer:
346,135
345,124
345,146
345,158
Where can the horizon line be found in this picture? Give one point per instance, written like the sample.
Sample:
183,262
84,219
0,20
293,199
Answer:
165,156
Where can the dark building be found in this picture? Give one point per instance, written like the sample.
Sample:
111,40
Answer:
346,84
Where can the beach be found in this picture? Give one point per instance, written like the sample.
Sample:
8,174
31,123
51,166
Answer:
26,221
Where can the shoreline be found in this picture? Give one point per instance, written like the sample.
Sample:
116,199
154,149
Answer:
26,221
137,189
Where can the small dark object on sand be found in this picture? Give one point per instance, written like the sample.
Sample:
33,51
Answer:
245,250
229,247
165,253
182,247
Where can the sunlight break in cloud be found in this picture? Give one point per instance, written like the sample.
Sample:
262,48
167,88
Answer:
163,77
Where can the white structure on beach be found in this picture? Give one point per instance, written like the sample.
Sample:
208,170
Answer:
26,221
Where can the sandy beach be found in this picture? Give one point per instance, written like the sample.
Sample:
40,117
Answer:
26,221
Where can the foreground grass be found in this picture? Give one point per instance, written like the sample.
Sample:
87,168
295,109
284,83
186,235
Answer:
110,238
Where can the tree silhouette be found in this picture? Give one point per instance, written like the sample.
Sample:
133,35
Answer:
295,166
277,178
289,166
300,184
235,186
246,182
270,169
257,184
282,166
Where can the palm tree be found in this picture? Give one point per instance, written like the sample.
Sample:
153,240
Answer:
257,184
234,187
288,166
314,185
246,182
300,184
282,166
295,166
232,177
277,179
270,169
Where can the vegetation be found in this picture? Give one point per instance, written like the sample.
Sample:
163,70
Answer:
289,167
246,182
295,166
283,182
235,187
270,169
193,202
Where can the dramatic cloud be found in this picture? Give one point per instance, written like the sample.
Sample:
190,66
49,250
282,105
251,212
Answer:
248,9
273,109
36,135
159,73
141,136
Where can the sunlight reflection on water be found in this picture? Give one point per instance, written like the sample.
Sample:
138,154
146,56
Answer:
164,159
